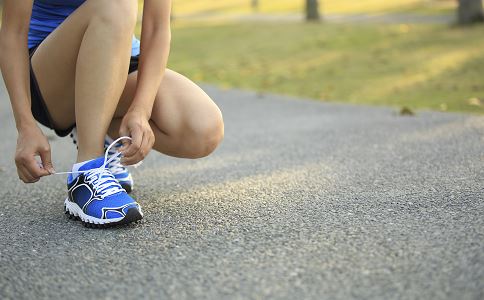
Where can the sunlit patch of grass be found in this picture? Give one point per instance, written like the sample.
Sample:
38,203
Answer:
184,7
381,6
417,66
433,65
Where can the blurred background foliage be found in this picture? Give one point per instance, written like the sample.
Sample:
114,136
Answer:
187,7
402,53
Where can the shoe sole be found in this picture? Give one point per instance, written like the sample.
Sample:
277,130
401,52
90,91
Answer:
73,211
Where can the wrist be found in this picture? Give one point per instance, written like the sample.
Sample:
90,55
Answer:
140,110
25,124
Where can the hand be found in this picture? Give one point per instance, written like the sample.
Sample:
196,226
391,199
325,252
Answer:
30,143
136,125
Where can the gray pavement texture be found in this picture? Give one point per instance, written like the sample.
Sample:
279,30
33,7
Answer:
303,200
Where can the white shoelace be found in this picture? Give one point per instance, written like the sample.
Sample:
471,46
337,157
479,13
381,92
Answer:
115,165
102,178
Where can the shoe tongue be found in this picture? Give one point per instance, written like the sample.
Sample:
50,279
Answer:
108,141
92,164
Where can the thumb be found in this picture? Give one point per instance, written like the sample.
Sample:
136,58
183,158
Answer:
47,160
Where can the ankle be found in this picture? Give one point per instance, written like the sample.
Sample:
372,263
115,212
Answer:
113,130
82,157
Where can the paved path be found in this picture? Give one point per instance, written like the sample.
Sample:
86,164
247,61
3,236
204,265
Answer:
303,200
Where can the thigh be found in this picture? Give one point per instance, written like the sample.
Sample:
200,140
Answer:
54,62
54,65
181,107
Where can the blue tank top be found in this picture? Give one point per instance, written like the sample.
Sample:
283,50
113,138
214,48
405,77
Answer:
48,14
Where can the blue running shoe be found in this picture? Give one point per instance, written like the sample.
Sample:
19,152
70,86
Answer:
120,172
97,199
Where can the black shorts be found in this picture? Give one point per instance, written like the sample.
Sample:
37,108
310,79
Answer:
39,109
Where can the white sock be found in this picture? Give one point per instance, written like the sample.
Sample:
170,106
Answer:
78,165
108,139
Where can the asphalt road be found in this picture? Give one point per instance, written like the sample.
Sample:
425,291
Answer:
302,200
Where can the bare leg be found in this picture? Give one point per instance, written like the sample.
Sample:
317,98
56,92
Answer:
185,121
82,69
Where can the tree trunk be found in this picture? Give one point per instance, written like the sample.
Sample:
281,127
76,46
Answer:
470,11
254,4
312,10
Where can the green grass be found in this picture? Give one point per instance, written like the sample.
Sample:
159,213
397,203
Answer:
327,6
419,66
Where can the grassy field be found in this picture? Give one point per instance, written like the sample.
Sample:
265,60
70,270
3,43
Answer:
419,66
184,7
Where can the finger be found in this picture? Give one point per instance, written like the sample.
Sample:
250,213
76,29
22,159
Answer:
125,144
136,139
143,151
25,175
145,145
47,160
34,169
127,161
21,175
131,160
22,163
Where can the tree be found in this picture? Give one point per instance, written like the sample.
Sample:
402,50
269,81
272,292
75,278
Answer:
470,11
254,4
312,10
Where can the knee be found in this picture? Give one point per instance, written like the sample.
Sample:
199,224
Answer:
207,136
119,15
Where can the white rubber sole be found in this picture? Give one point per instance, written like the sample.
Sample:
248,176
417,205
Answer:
74,210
